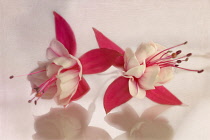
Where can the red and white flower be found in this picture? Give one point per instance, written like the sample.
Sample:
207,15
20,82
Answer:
61,77
144,73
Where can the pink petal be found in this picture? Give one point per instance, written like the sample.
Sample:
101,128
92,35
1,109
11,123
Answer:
98,60
65,34
119,62
154,111
82,89
104,42
56,49
162,96
120,119
116,94
147,80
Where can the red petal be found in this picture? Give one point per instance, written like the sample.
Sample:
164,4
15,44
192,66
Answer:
104,42
119,62
116,94
65,34
162,96
98,60
82,89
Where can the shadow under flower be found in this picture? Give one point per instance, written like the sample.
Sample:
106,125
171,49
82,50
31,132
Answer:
70,123
149,126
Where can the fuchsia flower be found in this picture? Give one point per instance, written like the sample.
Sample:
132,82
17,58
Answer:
144,73
61,77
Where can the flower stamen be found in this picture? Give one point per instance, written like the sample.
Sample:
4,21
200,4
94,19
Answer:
166,50
12,76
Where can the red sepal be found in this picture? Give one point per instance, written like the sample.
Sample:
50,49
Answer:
116,94
162,96
82,89
104,42
65,34
98,60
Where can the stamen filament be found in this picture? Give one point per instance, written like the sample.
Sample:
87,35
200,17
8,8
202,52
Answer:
27,74
166,50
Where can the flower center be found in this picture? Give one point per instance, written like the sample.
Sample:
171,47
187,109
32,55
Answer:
40,90
168,59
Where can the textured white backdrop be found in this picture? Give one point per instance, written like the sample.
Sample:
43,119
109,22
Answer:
27,27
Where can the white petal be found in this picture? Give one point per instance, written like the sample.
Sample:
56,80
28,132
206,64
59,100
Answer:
141,93
52,69
147,81
132,87
145,50
135,91
56,49
165,75
67,84
64,62
136,71
130,59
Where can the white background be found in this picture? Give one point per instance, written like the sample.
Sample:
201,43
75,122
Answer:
27,27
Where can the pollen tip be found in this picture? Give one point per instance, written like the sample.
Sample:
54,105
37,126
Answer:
200,71
173,55
176,65
179,61
185,42
178,52
29,101
35,102
11,77
189,54
186,59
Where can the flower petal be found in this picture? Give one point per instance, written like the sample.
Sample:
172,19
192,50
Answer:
52,69
135,90
165,75
94,133
147,80
162,96
130,59
64,62
65,34
67,83
104,42
145,50
82,89
56,49
120,119
119,62
98,60
136,71
116,94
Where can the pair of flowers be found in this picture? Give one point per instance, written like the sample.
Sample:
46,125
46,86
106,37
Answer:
143,72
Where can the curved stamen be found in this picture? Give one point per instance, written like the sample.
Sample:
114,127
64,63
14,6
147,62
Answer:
166,50
12,76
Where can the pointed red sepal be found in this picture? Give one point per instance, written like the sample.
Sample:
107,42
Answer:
82,89
65,34
162,96
104,42
98,60
119,62
116,94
